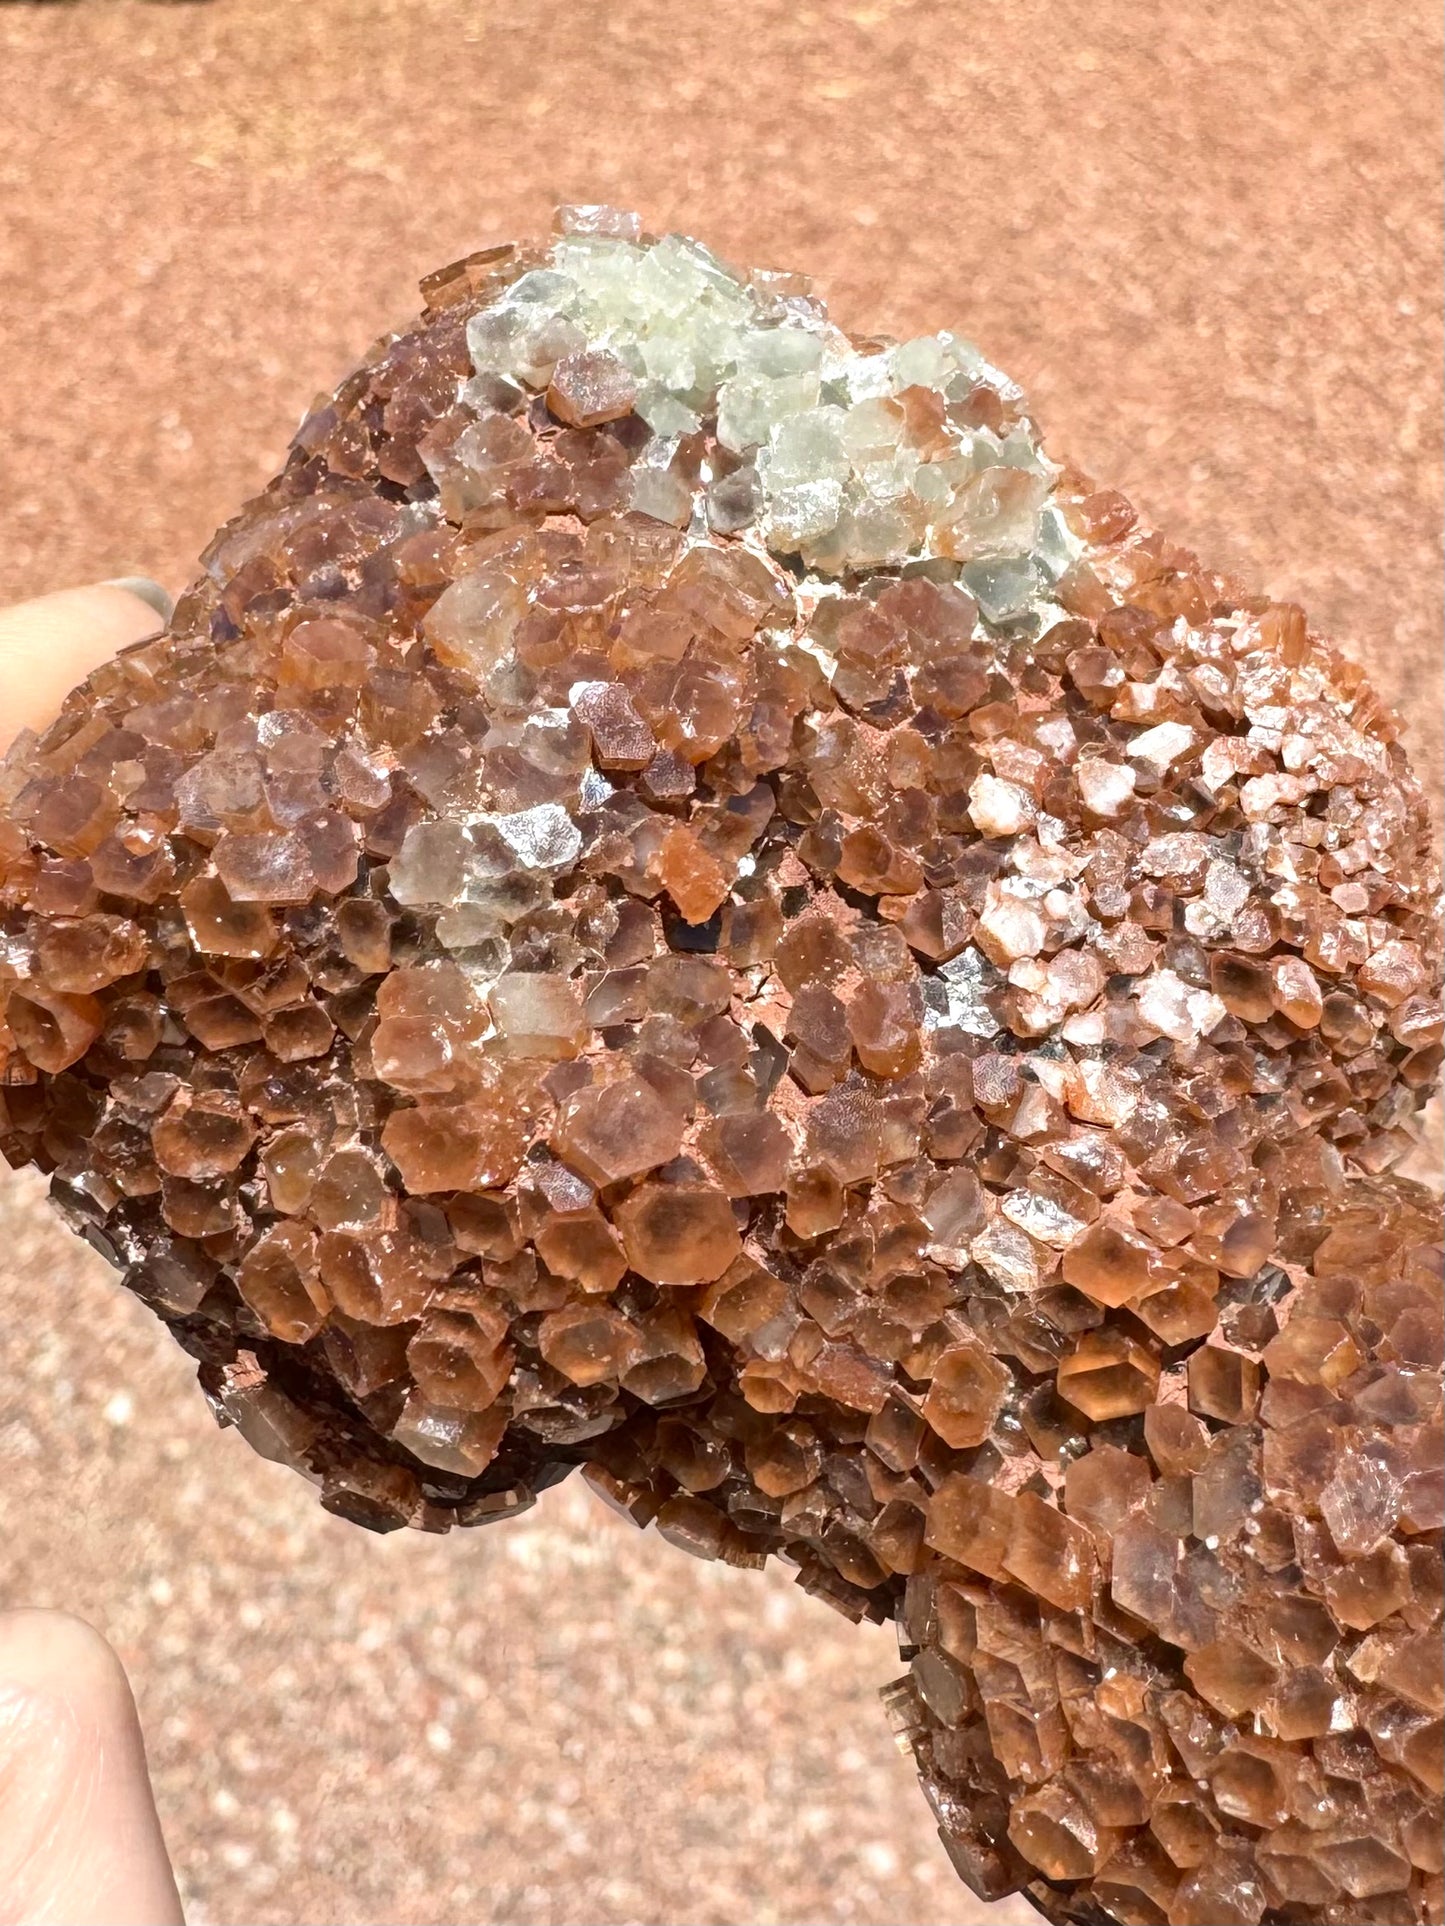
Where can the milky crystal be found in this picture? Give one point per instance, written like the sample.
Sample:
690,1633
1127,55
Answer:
680,898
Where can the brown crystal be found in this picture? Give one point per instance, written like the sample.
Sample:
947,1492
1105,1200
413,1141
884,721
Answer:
1108,1375
588,388
963,1398
681,1233
1108,1263
618,1130
557,960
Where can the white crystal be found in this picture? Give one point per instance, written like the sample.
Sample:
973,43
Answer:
1041,1217
955,997
661,494
463,925
1002,589
1173,1008
669,361
1105,788
804,448
841,479
1057,547
780,351
922,363
541,838
999,808
1162,746
663,412
431,865
1226,889
872,429
876,532
1011,928
1007,1254
749,406
801,514
524,341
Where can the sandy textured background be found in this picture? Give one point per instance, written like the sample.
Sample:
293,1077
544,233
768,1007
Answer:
1207,237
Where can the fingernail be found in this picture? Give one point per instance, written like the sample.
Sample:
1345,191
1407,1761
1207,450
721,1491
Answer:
148,591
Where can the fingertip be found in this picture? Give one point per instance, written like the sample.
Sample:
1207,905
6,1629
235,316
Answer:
150,592
80,1841
61,1659
52,642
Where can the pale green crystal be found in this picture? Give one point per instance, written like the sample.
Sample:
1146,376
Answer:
851,465
751,405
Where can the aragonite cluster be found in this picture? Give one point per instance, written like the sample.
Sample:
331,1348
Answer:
680,899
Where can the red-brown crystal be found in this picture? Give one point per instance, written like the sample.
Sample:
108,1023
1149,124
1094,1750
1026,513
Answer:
518,977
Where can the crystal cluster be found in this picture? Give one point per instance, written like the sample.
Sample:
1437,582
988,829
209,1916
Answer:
679,899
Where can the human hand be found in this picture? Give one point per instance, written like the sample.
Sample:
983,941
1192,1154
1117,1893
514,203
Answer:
80,1842
49,644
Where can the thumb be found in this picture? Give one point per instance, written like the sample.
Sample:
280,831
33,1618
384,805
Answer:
52,642
80,1843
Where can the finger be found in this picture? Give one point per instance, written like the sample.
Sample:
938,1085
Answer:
49,644
80,1843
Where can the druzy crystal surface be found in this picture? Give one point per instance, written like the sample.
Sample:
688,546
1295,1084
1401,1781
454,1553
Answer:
680,899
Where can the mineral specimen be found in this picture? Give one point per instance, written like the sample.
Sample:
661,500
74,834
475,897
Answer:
680,899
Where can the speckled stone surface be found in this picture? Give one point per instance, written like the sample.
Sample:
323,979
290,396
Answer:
1288,334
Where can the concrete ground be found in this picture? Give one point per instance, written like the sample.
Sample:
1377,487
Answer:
1206,237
